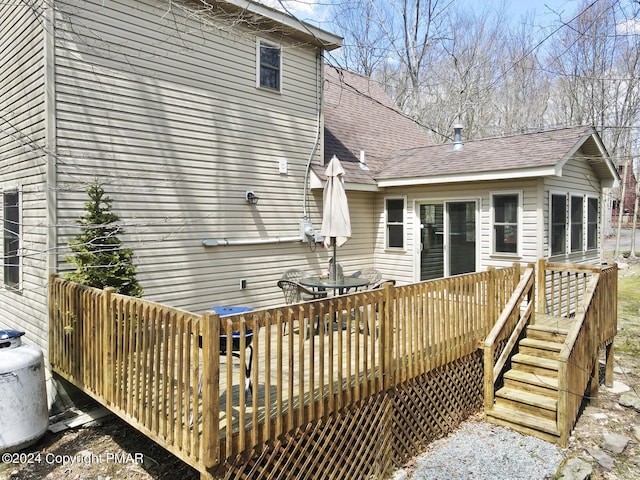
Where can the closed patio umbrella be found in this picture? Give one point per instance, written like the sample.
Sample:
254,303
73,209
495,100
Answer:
336,222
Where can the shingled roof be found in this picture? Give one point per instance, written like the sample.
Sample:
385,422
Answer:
359,115
519,156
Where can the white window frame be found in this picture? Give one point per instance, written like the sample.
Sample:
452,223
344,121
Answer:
259,43
566,222
583,226
403,223
519,227
597,199
18,255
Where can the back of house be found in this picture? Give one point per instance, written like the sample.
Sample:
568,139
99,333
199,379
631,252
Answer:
178,111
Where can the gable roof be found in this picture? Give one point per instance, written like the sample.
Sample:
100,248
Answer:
269,19
518,156
360,116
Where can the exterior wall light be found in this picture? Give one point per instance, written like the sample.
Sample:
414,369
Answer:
251,197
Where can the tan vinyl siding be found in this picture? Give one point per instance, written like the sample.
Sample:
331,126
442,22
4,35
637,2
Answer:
22,150
164,110
403,267
577,178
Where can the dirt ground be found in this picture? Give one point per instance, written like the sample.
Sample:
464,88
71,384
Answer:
108,449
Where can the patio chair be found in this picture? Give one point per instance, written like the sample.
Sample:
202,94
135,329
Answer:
295,293
372,275
294,274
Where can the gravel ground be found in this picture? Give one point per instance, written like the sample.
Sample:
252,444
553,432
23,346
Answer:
482,451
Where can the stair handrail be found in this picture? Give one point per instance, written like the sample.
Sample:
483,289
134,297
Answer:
517,313
575,373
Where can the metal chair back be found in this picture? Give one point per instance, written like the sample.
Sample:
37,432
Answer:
294,274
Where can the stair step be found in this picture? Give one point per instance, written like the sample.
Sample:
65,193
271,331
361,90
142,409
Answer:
525,423
546,367
551,334
525,402
539,348
530,382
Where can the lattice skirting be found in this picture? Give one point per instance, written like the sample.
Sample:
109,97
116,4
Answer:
373,438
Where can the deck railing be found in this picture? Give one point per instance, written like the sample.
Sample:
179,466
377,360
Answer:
162,369
140,359
503,338
582,292
594,327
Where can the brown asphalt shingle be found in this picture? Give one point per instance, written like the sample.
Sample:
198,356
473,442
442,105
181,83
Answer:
358,115
523,151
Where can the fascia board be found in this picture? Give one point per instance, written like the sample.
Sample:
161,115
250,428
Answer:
328,40
606,182
315,183
471,177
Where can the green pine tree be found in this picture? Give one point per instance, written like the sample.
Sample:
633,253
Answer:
99,257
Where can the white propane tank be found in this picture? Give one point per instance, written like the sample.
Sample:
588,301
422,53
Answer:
24,416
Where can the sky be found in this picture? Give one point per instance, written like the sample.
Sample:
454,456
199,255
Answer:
545,11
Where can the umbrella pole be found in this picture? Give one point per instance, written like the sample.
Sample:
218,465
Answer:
335,263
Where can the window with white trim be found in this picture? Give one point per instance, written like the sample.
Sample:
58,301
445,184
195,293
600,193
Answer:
558,224
269,71
577,222
395,222
593,207
11,237
506,224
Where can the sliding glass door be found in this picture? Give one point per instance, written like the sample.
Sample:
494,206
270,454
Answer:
447,239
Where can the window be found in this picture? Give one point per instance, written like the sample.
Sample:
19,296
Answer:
577,223
592,223
394,208
558,231
269,66
505,222
11,238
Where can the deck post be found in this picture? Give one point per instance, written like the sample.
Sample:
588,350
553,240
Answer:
210,329
488,353
386,329
595,376
491,299
107,344
608,372
541,291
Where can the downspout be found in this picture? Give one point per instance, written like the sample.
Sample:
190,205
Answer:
50,147
305,187
51,176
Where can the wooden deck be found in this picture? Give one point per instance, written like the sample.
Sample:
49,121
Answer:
313,362
144,361
538,365
559,323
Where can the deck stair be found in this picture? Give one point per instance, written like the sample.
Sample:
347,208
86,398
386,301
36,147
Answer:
527,401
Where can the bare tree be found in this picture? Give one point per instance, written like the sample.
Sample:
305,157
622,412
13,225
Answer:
461,86
364,48
597,75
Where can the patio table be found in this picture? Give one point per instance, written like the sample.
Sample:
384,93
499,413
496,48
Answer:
341,284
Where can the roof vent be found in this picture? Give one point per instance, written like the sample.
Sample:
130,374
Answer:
457,137
363,165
